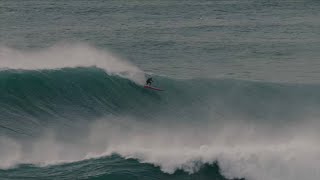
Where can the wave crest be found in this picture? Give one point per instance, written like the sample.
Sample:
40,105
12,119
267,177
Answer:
68,56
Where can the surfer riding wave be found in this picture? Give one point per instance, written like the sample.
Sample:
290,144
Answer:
149,81
148,85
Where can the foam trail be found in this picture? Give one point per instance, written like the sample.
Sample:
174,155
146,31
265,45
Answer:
68,56
239,153
177,146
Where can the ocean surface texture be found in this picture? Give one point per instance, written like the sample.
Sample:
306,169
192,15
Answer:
241,81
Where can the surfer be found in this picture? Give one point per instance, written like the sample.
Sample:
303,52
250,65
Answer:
149,81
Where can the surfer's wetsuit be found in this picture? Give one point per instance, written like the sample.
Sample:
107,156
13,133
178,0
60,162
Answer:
149,81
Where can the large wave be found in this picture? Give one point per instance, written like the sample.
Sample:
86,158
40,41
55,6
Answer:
68,55
254,130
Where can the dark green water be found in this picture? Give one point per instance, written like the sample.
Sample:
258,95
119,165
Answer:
241,81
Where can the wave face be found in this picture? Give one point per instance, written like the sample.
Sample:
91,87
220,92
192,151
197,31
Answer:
83,118
112,167
94,119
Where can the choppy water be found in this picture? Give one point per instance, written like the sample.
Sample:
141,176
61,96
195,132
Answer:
241,82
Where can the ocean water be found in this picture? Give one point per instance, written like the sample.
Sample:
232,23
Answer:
241,81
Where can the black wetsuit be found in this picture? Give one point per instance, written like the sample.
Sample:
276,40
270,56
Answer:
149,81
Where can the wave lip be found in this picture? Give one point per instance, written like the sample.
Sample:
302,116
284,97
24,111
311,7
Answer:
68,56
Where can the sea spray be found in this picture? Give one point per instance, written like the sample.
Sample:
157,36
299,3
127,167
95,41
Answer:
64,55
255,130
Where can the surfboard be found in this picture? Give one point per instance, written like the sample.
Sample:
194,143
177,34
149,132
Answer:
153,88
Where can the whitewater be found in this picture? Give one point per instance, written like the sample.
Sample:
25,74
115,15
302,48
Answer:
53,114
241,99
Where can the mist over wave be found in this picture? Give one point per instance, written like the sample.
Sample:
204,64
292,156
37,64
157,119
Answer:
58,114
64,55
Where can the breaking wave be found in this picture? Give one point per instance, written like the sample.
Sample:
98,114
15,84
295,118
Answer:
94,118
